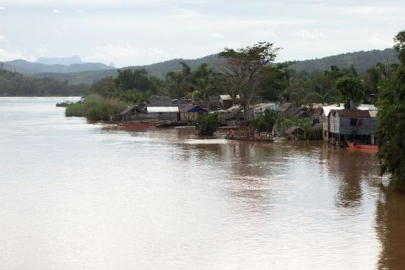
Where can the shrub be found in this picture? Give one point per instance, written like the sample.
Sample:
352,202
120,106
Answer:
264,122
96,108
207,124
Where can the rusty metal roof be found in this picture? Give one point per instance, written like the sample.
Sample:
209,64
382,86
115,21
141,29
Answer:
352,113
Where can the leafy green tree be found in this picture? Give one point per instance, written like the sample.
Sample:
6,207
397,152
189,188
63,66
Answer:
179,83
275,80
105,87
245,67
391,118
207,124
265,121
352,89
134,79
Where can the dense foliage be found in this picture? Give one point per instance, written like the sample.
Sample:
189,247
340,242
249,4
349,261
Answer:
245,69
16,84
391,117
207,124
265,121
352,90
96,108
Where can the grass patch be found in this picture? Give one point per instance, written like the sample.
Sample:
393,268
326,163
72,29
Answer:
96,108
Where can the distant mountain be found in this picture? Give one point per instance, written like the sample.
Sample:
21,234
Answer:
29,68
362,60
67,61
159,70
88,73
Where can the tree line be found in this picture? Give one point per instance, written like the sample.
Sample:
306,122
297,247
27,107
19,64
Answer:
16,84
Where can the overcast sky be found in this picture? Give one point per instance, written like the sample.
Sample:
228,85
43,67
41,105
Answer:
137,32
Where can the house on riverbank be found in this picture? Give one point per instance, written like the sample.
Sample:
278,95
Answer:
342,126
189,112
331,128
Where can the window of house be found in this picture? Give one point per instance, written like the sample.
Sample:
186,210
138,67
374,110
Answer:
353,121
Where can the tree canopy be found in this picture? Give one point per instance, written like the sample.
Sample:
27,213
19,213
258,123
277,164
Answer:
391,117
245,67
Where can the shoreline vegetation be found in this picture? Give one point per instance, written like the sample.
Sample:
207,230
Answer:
96,108
249,77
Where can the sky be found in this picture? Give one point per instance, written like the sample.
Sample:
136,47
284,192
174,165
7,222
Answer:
140,32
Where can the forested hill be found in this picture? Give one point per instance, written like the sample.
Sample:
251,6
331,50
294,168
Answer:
158,70
16,84
73,75
29,68
362,61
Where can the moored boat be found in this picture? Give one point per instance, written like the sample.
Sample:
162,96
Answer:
137,124
269,140
355,145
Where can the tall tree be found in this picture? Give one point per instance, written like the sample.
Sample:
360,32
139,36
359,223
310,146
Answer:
391,117
244,68
179,83
352,89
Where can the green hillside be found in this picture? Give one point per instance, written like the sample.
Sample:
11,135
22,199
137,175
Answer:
16,84
360,60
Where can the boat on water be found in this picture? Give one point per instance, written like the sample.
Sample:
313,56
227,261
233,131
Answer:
269,140
355,145
137,124
171,124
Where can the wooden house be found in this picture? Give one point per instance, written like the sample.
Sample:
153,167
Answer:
163,113
190,112
350,125
262,107
131,113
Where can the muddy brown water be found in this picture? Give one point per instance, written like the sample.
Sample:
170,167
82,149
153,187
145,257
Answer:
75,195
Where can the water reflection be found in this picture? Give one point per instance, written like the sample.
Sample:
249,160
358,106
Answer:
351,168
390,225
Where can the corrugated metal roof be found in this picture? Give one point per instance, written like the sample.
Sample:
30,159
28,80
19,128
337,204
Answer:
227,97
162,109
373,113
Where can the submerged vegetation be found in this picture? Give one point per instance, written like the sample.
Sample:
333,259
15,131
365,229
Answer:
96,108
207,124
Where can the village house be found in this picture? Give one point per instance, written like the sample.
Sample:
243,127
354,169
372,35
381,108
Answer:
231,116
131,113
163,113
260,108
326,133
143,112
190,112
227,101
344,125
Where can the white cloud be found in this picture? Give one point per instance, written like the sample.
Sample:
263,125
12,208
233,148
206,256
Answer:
315,34
2,38
2,8
371,10
265,34
88,2
216,35
80,11
58,33
8,55
55,11
125,54
381,41
42,51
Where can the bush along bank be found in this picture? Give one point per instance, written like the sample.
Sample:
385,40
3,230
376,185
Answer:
96,108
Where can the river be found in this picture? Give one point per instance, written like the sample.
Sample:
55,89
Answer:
75,195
